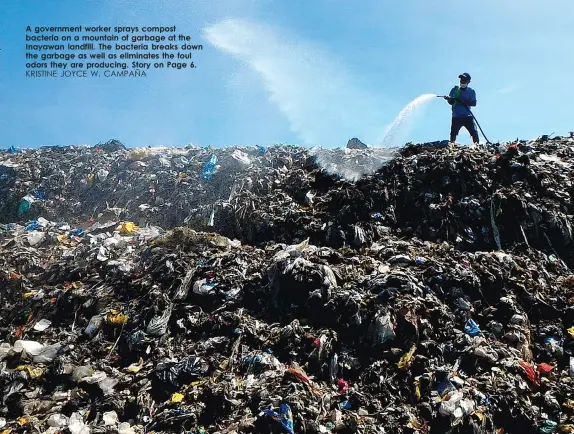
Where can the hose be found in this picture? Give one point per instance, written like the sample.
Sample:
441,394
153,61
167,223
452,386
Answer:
488,142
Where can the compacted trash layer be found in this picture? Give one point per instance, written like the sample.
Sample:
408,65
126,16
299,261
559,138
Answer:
283,289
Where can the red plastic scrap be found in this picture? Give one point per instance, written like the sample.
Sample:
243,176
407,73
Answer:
544,368
299,375
18,331
343,385
529,371
317,343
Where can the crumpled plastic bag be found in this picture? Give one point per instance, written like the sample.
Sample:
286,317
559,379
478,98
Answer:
110,418
382,329
76,424
103,174
125,428
241,157
284,417
158,324
57,420
548,427
25,205
31,348
209,168
471,328
529,370
201,287
190,368
47,354
35,237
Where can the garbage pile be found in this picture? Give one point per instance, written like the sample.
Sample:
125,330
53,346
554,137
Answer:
433,296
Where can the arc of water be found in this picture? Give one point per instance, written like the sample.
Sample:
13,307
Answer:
405,117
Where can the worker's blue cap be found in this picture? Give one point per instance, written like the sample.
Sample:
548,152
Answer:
465,75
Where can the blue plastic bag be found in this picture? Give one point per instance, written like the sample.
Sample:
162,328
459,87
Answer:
39,194
471,328
285,417
345,405
34,226
209,168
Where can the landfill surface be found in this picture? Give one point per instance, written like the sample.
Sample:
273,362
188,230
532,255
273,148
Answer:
253,290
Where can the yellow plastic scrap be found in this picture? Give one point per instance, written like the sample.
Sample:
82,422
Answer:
481,416
571,331
566,428
6,431
569,404
23,421
415,424
135,367
35,372
220,241
128,228
418,390
32,372
176,398
117,318
406,360
62,239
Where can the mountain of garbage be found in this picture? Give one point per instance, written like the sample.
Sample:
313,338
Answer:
253,289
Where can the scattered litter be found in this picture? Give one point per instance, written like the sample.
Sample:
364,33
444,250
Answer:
253,290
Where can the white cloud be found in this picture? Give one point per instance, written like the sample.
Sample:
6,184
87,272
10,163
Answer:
315,92
508,89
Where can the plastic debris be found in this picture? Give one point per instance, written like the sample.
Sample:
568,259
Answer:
333,290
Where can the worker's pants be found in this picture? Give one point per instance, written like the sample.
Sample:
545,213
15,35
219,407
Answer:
463,121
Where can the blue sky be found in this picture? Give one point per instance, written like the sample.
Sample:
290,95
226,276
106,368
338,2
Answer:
299,72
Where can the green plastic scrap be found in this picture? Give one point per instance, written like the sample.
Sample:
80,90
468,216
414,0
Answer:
548,427
23,208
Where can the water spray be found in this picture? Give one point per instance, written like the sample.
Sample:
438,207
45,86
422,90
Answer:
405,118
488,142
